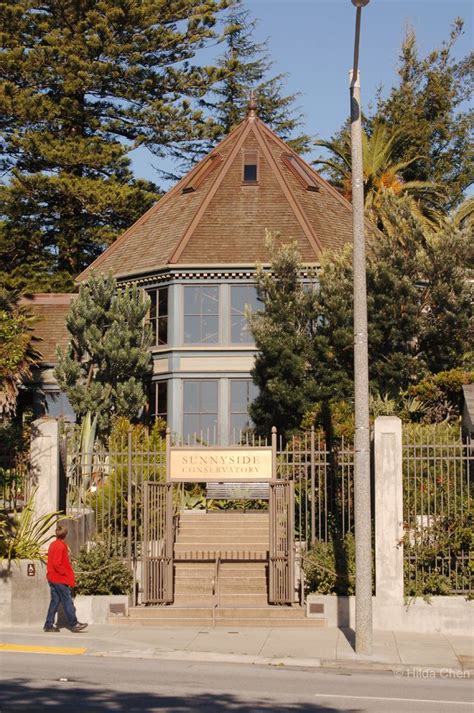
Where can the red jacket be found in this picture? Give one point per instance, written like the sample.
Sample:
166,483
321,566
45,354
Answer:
59,570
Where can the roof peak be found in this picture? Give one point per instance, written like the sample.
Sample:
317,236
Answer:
252,106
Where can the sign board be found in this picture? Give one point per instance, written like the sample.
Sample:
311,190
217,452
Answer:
207,465
30,569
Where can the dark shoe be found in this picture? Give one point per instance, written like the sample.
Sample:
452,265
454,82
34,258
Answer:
78,627
49,629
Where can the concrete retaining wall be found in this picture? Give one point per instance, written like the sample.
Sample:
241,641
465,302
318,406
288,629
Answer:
24,599
441,615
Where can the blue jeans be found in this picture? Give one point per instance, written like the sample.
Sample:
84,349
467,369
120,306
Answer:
61,594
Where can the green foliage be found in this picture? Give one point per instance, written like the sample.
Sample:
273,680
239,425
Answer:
108,497
438,511
17,349
25,537
104,368
439,557
98,571
85,83
418,138
329,567
282,365
419,321
246,65
382,170
429,105
442,394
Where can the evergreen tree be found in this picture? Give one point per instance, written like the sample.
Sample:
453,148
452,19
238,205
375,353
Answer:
107,361
245,68
427,124
282,369
430,106
419,319
85,82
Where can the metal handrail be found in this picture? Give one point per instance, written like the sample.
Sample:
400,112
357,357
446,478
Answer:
215,589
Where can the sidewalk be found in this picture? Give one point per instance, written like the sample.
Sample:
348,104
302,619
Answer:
415,654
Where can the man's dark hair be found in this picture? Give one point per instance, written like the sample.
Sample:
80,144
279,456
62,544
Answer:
61,532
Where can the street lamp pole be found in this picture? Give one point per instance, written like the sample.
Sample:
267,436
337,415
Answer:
362,506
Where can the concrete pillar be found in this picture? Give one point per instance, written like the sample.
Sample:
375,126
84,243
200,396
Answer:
388,508
45,464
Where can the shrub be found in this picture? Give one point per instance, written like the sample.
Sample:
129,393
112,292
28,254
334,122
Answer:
329,567
100,572
442,394
24,536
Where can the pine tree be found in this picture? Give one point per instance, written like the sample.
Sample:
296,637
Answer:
428,123
430,106
107,361
282,368
245,68
85,82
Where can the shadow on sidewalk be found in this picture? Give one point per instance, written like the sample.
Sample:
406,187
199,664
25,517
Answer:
77,699
349,635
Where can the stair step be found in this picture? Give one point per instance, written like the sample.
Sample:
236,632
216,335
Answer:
165,612
230,623
230,518
207,555
229,547
271,624
261,612
209,538
216,527
225,599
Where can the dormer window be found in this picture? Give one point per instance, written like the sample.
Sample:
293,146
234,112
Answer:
250,167
202,172
301,171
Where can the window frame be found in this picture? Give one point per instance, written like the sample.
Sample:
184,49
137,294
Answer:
245,162
159,318
154,413
200,412
201,315
249,383
231,341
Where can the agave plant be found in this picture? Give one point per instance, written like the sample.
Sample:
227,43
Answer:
24,536
82,463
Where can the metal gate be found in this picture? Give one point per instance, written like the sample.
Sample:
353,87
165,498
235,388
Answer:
158,543
281,564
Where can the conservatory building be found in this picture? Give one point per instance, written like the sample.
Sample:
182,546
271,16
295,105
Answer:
195,253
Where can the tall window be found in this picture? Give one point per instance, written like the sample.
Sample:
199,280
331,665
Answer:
200,408
159,400
242,393
159,315
201,315
241,297
250,167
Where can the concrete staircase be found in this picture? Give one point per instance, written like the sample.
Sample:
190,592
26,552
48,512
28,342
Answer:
232,592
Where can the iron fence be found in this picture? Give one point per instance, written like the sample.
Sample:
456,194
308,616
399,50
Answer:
438,512
16,482
106,489
324,485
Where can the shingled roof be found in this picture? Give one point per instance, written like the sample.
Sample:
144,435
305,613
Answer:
50,324
213,217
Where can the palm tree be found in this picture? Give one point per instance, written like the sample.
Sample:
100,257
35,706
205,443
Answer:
17,353
381,173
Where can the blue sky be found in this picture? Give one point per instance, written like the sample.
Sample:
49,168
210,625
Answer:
312,42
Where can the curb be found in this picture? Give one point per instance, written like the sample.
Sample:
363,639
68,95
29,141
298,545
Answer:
406,670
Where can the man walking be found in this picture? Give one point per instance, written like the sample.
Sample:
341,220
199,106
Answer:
60,576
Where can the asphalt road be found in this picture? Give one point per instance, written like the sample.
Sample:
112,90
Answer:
80,684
